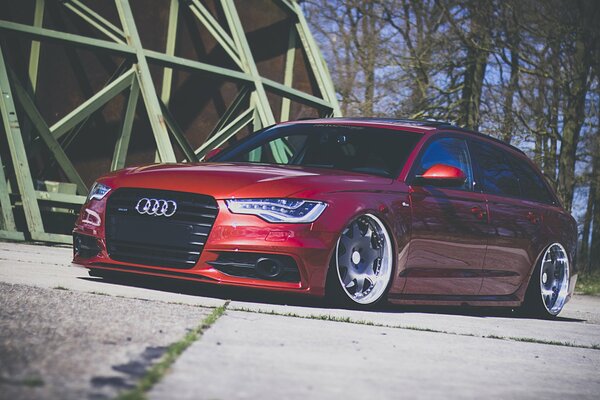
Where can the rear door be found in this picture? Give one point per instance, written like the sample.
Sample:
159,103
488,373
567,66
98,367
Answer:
449,227
514,214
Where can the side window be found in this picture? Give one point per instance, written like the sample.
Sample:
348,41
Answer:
448,151
495,172
531,183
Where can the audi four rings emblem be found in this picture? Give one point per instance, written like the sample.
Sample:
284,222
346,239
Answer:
156,207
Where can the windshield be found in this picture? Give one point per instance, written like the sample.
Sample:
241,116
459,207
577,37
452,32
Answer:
367,150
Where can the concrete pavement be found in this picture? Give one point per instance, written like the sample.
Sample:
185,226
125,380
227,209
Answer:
281,346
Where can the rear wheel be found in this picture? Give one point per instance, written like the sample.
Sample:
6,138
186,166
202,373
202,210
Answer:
549,285
361,267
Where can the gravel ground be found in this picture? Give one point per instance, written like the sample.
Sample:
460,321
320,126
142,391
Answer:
61,344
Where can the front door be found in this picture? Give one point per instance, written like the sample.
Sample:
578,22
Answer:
449,228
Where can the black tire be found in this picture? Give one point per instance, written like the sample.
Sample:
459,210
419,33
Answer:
549,284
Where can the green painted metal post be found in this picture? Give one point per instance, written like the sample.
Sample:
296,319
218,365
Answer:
92,104
213,26
95,20
45,134
288,77
122,146
316,61
157,121
8,228
18,153
34,53
239,37
232,110
165,94
226,133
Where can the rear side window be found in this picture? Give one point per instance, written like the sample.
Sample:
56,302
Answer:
496,174
531,183
448,151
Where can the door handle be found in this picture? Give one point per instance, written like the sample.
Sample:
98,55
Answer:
479,212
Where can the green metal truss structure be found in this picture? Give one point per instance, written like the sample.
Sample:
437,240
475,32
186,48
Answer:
125,42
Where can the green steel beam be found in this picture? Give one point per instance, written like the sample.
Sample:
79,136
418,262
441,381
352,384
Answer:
8,228
235,26
164,60
122,146
157,122
288,77
11,235
226,133
165,94
42,129
232,110
178,135
95,20
31,209
256,154
60,197
51,237
296,95
216,30
316,62
34,53
92,104
35,33
196,66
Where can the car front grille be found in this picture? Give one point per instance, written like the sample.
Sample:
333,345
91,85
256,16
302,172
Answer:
173,242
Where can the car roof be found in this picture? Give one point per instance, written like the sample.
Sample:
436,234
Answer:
413,125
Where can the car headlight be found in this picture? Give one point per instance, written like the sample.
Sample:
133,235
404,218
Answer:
98,191
278,210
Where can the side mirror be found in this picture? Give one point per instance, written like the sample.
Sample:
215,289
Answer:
442,175
212,153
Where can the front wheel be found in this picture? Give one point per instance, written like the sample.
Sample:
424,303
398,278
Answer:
549,285
361,267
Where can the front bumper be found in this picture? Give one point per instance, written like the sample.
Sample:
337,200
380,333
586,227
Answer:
309,245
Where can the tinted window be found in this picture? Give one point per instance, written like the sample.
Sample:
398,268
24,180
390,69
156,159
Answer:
360,149
448,151
530,182
495,172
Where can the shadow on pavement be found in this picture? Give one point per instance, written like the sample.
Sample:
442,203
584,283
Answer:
267,297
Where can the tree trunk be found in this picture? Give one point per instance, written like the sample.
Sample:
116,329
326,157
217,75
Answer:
476,63
370,44
513,42
574,111
594,251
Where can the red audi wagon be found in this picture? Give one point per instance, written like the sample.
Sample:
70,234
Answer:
363,210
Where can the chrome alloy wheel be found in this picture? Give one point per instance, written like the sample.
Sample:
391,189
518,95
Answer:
554,278
364,259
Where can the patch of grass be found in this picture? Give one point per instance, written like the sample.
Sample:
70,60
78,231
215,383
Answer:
588,283
158,370
59,287
99,293
32,382
29,382
348,320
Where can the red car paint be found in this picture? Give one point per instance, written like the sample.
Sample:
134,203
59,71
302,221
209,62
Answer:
452,246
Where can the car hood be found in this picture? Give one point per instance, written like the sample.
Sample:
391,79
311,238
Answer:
244,180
